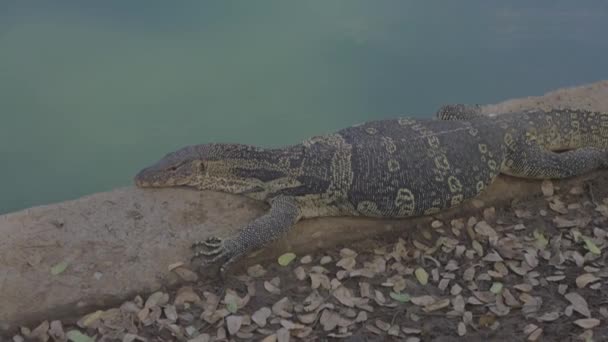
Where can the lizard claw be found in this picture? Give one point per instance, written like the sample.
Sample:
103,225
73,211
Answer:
211,242
214,250
211,247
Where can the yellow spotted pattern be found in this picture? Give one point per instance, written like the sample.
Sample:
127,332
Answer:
393,165
405,202
455,185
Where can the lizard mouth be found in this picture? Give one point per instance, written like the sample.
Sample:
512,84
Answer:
150,178
142,179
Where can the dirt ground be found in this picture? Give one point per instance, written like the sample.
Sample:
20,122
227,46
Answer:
534,270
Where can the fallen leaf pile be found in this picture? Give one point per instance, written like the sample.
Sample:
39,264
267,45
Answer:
536,270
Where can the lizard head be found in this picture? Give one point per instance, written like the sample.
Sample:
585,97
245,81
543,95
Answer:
205,167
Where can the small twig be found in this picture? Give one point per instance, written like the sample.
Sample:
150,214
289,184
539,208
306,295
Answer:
590,191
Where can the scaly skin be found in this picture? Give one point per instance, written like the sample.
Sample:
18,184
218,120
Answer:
386,169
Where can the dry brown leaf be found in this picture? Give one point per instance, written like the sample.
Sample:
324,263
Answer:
365,289
302,332
393,330
342,274
438,305
462,329
455,290
186,274
283,308
398,283
373,329
90,319
486,320
211,301
517,268
271,288
558,206
256,271
344,296
547,188
523,287
477,247
308,318
529,328
485,296
576,190
469,274
587,323
325,260
199,338
510,300
411,331
484,229
578,303
261,316
493,256
213,317
313,301
556,278
56,331
231,299
379,297
319,280
531,259
458,303
307,259
549,316
579,260
474,301
382,325
329,320
347,263
531,304
335,283
362,272
289,325
424,300
585,279
159,298
245,335
170,312
40,332
361,317
348,253
300,273
283,335
562,222
186,294
233,323
442,286
535,335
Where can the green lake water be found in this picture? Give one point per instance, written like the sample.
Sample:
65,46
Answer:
91,92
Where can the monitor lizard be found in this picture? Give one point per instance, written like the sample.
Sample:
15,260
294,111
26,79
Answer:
390,168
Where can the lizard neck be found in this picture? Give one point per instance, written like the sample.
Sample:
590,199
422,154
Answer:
251,171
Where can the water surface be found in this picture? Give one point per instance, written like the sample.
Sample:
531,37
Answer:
91,93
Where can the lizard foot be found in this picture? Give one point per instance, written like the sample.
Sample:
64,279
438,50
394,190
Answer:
214,250
214,245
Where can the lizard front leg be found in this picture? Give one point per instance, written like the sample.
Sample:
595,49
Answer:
283,214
